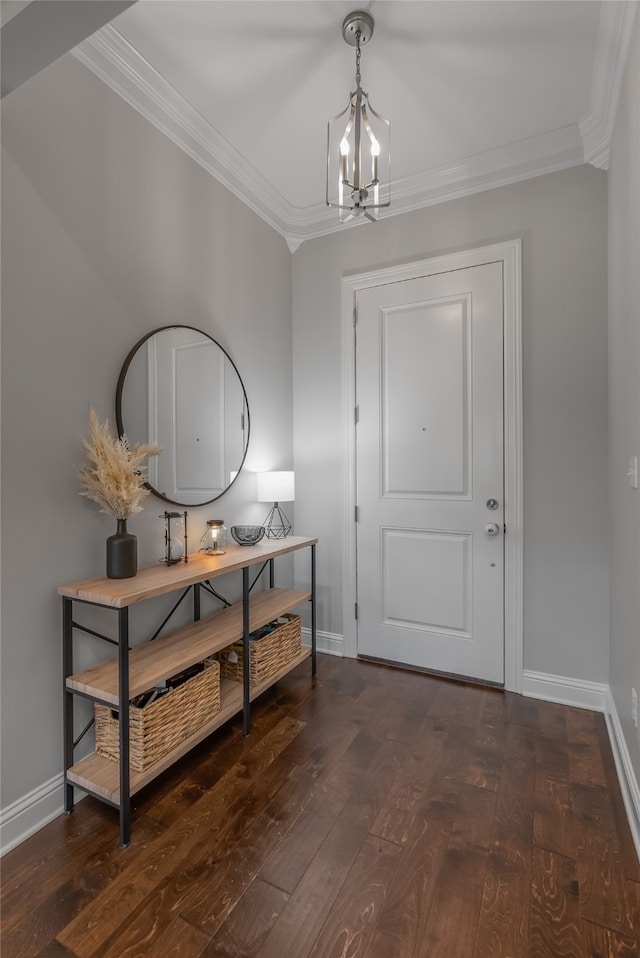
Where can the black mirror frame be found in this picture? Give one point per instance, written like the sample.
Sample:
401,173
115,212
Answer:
120,423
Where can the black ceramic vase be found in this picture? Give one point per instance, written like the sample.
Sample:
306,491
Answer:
122,553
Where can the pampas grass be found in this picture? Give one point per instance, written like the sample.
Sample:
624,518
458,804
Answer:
113,475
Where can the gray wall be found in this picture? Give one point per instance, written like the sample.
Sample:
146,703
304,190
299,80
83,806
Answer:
561,219
624,396
108,231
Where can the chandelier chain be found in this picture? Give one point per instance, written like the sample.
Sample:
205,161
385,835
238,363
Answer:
358,35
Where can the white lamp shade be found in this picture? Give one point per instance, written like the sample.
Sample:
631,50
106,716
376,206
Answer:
276,487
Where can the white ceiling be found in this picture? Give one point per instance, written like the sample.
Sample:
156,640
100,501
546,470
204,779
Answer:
479,93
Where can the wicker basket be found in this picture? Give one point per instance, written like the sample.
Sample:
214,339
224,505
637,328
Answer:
266,655
162,725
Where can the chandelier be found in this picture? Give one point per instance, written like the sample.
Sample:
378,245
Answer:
358,138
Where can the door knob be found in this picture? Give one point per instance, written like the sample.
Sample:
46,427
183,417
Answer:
492,528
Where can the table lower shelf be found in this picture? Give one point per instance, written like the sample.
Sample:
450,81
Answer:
101,777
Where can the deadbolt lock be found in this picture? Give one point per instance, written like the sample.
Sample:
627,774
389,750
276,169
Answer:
492,504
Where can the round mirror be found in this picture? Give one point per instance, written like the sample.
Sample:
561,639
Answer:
178,387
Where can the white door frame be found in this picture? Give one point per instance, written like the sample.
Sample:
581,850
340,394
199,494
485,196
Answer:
510,255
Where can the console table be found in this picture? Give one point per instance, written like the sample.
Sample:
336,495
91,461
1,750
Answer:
133,671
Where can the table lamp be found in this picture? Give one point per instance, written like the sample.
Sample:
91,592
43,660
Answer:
276,487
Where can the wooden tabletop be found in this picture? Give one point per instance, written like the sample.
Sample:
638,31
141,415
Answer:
160,578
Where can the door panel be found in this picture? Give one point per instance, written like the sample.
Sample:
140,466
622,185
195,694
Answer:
425,438
429,456
441,601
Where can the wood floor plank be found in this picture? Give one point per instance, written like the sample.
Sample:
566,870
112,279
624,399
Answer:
553,814
299,924
497,707
585,758
453,918
452,926
503,924
459,704
523,711
397,711
606,897
395,821
402,925
296,850
179,940
352,921
486,756
555,918
244,931
607,944
54,949
553,826
552,719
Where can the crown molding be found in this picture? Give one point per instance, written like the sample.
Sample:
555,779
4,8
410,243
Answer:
119,65
513,163
614,35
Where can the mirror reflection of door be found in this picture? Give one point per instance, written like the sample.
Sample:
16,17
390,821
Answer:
180,389
187,414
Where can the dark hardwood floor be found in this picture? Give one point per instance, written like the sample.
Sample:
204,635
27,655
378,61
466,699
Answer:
378,814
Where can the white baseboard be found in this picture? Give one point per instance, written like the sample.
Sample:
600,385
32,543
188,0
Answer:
31,812
626,774
327,642
565,691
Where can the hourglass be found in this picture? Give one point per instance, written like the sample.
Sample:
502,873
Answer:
175,538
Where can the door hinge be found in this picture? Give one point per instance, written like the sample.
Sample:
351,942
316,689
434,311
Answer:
356,415
355,514
504,528
356,610
355,314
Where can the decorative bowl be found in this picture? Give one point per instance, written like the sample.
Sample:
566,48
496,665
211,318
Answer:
247,535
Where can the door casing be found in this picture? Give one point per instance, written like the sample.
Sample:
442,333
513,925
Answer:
510,255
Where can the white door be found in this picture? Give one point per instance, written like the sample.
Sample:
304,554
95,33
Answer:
429,462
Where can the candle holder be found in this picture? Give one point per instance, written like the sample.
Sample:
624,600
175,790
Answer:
175,538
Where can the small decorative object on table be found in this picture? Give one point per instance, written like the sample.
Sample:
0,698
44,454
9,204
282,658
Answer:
247,535
276,487
214,538
174,549
114,477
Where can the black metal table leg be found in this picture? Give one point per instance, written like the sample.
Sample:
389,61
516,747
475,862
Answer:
67,661
313,610
246,717
272,578
123,693
196,602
